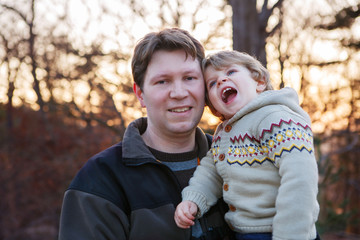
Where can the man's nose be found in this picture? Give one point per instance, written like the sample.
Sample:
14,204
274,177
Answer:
178,90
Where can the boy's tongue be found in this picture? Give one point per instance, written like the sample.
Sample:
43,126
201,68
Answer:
228,95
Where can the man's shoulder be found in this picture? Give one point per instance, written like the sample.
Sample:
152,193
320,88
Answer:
97,175
113,152
105,159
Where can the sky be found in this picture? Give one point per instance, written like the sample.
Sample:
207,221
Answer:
88,22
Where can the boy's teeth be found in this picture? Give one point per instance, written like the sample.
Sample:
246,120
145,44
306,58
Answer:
226,89
223,95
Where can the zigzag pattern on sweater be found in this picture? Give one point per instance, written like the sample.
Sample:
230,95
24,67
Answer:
273,125
217,138
281,137
272,160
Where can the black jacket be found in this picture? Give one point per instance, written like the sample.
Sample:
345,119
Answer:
124,193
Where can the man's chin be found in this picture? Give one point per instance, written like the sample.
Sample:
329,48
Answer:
182,127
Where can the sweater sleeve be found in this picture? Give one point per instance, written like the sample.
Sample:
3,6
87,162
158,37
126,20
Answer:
291,145
205,186
86,216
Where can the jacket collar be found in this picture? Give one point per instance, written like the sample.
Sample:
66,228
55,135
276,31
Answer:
135,151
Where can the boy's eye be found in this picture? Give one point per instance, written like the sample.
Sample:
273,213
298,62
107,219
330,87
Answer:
211,83
189,78
230,72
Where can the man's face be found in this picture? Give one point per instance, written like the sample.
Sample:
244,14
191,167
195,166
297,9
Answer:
173,93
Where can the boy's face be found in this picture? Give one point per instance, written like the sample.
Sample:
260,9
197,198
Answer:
231,88
173,93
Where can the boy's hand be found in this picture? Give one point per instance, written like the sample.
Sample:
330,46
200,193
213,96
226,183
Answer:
185,214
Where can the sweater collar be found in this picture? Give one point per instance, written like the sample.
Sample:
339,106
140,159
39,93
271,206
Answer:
285,96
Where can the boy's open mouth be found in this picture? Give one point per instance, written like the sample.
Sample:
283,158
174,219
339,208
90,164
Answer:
228,94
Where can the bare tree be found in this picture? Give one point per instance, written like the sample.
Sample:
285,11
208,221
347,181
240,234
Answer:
80,76
29,22
299,44
11,61
322,68
346,143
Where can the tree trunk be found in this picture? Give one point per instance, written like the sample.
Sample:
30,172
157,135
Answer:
248,34
32,54
249,26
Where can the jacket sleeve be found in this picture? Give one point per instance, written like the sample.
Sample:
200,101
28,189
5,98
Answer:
296,204
87,216
205,187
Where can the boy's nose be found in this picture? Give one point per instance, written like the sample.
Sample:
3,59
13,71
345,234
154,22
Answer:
223,80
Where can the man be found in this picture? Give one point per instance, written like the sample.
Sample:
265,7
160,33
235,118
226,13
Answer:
130,190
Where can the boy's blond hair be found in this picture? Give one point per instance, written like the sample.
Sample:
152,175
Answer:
226,58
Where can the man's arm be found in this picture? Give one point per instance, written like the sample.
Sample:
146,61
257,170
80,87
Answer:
87,216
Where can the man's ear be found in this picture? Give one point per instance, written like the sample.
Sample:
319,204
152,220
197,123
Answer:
261,85
139,94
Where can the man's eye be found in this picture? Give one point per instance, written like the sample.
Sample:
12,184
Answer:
161,82
189,78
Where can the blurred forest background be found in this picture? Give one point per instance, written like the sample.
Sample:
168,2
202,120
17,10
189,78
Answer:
66,90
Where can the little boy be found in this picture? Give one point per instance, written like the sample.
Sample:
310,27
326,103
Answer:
262,157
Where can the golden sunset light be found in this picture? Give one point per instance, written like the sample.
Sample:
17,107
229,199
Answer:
66,94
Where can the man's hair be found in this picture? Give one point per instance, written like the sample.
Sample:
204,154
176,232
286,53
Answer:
169,39
226,58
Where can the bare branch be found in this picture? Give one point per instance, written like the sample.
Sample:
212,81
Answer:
16,11
266,12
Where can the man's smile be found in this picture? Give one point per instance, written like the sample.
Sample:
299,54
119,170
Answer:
179,110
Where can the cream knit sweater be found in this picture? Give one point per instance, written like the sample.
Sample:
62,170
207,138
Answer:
262,162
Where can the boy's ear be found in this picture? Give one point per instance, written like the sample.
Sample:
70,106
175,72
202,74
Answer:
139,94
261,85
